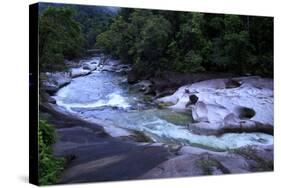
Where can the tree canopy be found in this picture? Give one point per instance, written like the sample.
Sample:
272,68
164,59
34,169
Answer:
66,31
154,40
59,37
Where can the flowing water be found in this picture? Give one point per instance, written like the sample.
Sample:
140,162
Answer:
107,97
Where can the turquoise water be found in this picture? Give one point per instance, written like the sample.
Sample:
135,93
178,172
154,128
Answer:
107,97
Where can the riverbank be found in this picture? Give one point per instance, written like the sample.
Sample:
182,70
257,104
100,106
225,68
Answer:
95,156
97,153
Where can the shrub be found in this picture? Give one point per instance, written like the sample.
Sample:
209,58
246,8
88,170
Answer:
50,167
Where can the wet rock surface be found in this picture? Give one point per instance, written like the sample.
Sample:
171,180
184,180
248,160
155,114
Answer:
243,104
76,72
95,156
52,82
102,151
195,161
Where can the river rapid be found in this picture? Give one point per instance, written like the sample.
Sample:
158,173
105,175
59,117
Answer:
107,97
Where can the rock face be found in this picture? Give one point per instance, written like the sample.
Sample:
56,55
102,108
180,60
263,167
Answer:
90,66
95,156
243,104
195,161
144,86
76,72
52,82
122,68
111,65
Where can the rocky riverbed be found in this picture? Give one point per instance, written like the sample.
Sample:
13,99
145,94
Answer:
242,104
112,130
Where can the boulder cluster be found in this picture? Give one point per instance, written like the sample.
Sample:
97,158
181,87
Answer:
243,104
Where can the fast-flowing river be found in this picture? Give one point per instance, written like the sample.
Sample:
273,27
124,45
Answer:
106,96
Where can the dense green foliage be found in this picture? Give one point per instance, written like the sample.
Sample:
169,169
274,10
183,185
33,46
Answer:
154,40
59,37
93,20
190,42
50,167
67,31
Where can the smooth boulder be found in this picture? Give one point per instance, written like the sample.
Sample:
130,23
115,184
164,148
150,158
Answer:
194,161
76,72
52,82
243,104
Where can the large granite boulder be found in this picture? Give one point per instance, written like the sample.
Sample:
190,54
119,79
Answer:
90,66
111,65
76,72
193,161
243,104
52,82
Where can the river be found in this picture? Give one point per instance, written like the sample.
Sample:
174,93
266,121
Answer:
106,96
